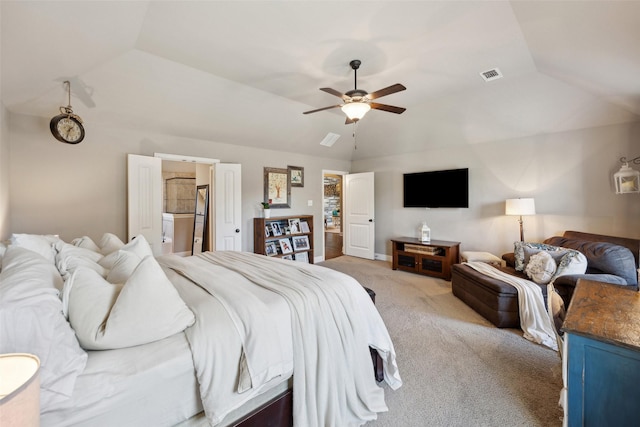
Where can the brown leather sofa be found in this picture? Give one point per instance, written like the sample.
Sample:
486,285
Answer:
608,261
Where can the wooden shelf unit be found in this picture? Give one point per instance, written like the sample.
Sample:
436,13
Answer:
261,240
433,258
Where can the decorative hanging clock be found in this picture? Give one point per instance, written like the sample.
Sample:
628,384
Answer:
67,126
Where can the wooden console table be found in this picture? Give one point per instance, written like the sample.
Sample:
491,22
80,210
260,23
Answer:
433,258
602,329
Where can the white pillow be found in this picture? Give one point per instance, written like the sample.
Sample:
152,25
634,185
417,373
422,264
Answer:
85,242
70,257
123,266
110,243
573,262
41,244
541,268
31,321
146,308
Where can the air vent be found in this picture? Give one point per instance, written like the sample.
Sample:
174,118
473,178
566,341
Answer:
492,74
330,139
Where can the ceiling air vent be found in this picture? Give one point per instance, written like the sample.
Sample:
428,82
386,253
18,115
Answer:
330,139
492,74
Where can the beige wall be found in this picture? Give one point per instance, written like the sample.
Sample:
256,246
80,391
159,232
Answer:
5,223
569,174
76,190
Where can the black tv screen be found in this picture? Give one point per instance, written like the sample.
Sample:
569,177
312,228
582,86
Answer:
437,189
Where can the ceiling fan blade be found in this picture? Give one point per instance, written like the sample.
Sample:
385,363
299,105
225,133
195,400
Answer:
334,92
386,91
322,109
389,108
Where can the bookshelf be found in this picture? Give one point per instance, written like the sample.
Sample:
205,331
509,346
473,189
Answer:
289,237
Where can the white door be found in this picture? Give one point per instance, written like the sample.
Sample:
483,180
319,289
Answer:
359,224
144,199
228,207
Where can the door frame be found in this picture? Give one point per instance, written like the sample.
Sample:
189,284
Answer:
331,172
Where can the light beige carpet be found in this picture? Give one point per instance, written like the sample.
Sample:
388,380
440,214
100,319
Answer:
457,368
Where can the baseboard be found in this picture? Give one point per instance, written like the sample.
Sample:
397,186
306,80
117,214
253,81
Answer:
383,257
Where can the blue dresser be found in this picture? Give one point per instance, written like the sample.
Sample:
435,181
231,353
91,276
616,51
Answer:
602,328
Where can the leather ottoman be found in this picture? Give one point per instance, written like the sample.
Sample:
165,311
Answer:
494,299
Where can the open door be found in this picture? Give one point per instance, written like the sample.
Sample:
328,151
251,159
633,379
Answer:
144,199
359,208
228,206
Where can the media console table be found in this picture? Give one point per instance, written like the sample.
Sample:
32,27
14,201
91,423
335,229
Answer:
433,258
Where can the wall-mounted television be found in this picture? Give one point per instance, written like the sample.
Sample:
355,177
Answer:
437,189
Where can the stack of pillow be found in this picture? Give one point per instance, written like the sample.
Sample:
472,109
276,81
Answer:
114,295
543,263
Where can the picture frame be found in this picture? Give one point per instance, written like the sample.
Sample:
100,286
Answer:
285,246
301,243
267,233
287,230
289,257
275,228
277,187
304,227
294,225
271,249
296,176
302,257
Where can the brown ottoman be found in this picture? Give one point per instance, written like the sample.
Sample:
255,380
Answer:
494,299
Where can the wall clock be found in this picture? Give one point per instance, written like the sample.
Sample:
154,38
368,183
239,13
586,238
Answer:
67,126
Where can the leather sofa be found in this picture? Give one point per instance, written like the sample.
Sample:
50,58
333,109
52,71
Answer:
609,259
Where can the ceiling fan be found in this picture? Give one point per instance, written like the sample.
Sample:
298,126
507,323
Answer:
357,101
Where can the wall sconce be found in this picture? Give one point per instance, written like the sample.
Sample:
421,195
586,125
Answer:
627,179
520,207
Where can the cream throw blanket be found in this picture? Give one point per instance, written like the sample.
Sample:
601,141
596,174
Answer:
333,322
534,318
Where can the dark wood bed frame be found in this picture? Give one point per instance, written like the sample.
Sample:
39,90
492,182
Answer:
278,412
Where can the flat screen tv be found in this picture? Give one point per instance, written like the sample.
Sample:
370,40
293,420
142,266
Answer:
437,189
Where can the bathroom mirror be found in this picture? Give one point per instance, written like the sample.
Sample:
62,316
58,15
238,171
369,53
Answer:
200,220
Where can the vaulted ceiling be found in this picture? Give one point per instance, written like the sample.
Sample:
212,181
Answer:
243,72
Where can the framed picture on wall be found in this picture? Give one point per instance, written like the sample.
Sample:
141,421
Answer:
277,187
296,174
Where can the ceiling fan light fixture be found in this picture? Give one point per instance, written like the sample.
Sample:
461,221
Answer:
356,110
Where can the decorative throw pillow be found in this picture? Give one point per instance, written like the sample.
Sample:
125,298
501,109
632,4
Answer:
123,266
106,316
110,243
573,262
541,268
518,251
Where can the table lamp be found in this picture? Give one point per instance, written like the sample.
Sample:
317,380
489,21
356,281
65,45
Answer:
19,390
520,207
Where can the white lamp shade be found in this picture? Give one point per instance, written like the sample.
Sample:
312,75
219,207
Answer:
19,390
356,110
627,180
520,207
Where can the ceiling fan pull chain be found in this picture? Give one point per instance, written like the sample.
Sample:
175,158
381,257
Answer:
355,138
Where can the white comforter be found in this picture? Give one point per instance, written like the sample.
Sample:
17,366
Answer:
331,323
535,320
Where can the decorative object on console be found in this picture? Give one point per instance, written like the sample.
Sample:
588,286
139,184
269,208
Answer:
19,390
357,102
266,209
520,207
67,126
425,233
627,179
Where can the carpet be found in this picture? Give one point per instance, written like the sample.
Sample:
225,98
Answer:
457,368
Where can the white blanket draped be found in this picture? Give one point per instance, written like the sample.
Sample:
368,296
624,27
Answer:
534,318
332,322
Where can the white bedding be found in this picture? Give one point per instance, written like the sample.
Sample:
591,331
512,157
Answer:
148,385
333,322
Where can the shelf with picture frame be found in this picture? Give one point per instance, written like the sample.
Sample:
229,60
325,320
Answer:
288,237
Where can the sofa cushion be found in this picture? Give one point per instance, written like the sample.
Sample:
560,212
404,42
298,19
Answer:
602,257
541,268
519,252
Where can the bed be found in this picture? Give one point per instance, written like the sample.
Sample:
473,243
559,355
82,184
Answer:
125,338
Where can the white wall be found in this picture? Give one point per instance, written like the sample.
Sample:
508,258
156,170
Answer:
569,174
76,190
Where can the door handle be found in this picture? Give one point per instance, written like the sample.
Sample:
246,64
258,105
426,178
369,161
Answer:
237,230
370,220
